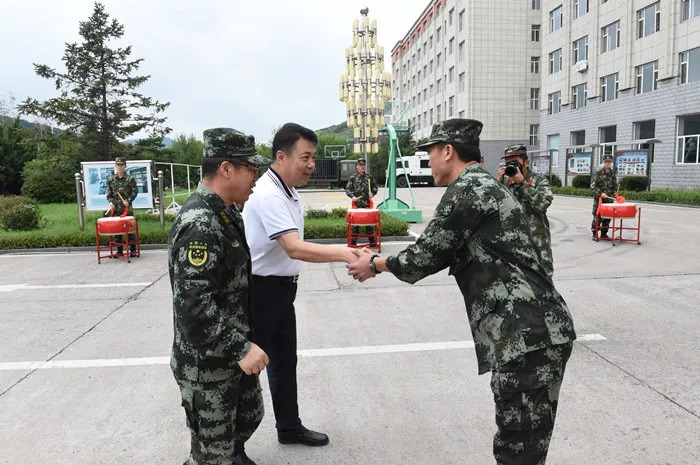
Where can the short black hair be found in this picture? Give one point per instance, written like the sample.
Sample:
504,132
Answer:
466,152
288,135
211,165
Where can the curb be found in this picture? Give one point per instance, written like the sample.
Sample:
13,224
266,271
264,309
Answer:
69,250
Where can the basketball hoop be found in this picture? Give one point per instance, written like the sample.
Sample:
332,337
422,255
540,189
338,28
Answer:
335,152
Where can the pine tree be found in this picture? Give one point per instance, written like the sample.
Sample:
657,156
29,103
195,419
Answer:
98,97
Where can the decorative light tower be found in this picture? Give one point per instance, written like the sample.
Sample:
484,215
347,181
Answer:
365,86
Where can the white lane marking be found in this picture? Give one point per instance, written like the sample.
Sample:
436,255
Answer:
72,254
331,352
24,287
414,234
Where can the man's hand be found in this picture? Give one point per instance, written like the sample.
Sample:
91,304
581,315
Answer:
501,171
518,178
360,268
111,206
255,361
604,195
349,255
126,204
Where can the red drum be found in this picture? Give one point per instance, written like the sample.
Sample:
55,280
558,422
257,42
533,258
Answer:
115,225
618,210
362,216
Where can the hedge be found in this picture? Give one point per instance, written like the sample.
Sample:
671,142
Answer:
634,183
582,181
662,195
326,228
18,213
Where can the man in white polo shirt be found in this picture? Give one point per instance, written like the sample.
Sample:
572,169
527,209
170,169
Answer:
274,229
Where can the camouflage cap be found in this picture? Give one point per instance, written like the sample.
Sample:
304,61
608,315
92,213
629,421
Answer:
516,149
608,156
361,161
455,130
119,161
233,144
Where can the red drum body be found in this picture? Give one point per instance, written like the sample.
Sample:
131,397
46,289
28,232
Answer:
115,225
362,216
618,210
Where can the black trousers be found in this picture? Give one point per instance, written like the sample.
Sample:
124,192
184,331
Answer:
276,333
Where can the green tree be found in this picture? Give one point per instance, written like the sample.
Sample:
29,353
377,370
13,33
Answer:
50,177
325,139
187,150
14,154
264,149
98,95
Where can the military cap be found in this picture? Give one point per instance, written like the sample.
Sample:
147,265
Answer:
361,161
608,156
455,130
232,144
516,149
119,161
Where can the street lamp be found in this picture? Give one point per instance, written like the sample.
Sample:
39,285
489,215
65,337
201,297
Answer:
365,86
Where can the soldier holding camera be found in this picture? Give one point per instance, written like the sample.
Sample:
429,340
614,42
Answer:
534,194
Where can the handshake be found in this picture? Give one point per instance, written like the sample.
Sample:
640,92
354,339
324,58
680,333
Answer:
359,264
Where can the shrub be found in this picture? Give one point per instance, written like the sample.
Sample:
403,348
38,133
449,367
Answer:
582,181
50,180
554,180
634,183
19,213
569,190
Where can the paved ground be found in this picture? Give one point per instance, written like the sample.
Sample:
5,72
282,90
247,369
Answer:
386,369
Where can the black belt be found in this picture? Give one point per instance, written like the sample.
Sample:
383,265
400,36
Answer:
284,279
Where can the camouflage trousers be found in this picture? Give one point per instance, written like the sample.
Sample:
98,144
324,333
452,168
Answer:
221,417
526,393
604,222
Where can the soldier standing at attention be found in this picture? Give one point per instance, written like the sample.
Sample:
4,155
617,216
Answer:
361,188
121,192
215,360
605,186
523,332
535,196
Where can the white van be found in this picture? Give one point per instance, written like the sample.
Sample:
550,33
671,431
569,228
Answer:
417,167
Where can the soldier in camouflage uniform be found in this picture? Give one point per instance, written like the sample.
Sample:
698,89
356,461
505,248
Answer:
215,360
121,186
361,188
604,185
523,332
535,196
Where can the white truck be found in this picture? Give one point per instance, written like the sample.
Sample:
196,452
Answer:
417,167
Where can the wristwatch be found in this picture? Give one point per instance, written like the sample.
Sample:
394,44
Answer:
372,266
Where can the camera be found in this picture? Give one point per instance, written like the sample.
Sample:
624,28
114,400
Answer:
512,168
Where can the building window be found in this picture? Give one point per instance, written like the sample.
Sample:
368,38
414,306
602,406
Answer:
452,106
556,17
438,84
439,59
431,116
462,51
534,65
452,74
425,95
413,100
432,91
418,76
451,16
425,71
579,94
534,134
609,86
554,103
430,42
643,131
553,146
535,4
535,33
438,113
581,49
578,139
611,37
461,114
461,20
430,66
690,9
425,118
438,34
462,82
649,20
647,77
418,98
451,46
580,8
425,48
534,99
688,139
690,66
555,61
607,137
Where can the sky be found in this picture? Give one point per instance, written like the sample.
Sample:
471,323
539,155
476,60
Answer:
250,65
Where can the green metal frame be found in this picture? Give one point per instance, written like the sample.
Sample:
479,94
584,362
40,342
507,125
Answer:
392,205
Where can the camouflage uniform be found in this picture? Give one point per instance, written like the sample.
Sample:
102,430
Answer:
210,275
535,196
604,182
126,186
360,186
522,329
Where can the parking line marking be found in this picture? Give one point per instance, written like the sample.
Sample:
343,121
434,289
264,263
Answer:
310,353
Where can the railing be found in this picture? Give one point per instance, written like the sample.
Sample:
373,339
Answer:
171,167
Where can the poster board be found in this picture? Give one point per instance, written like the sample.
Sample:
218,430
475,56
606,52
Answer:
97,173
578,163
632,162
540,164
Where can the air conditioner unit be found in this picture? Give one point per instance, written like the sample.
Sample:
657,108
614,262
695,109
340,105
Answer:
581,66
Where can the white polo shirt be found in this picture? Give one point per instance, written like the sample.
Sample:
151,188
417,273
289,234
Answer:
272,211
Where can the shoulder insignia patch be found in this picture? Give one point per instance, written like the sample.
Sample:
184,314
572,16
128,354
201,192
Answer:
197,253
